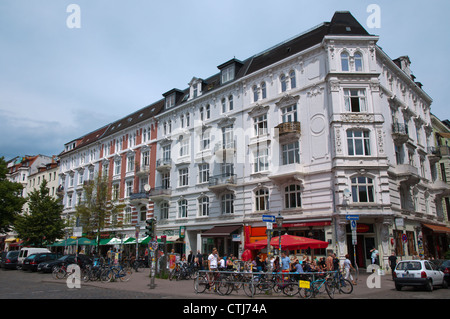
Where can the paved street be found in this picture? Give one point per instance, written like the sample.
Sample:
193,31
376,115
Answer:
27,285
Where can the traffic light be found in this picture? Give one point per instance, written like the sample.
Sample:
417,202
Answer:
150,227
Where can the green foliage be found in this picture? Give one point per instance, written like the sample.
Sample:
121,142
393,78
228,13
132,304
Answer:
44,222
96,208
10,200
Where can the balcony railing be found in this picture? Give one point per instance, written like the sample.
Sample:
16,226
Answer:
288,127
163,163
223,179
400,132
230,145
160,191
141,195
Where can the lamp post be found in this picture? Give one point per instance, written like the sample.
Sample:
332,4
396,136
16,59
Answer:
279,219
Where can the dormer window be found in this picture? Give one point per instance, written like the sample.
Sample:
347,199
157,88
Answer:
170,101
228,74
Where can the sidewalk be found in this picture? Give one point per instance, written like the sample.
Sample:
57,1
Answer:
183,289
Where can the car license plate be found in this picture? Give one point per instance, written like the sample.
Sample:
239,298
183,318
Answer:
408,275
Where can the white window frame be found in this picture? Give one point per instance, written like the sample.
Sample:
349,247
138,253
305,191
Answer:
290,153
182,208
357,97
292,196
203,206
358,142
363,185
261,199
227,204
183,177
203,173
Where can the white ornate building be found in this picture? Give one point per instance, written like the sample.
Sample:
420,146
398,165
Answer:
320,126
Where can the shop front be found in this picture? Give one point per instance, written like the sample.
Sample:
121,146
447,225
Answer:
226,239
436,240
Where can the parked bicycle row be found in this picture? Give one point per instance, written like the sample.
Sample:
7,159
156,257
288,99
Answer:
304,285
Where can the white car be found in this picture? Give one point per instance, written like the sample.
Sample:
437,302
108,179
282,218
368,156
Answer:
419,273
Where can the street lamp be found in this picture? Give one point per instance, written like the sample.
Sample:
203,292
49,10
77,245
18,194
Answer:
279,219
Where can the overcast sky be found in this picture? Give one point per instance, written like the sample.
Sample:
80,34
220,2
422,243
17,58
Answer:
59,83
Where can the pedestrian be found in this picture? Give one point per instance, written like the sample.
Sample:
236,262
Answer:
213,263
329,261
190,258
200,259
347,267
374,255
285,262
392,263
335,263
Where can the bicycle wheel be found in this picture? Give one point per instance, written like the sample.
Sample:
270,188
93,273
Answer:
290,289
61,273
125,274
329,289
306,293
172,275
345,286
249,288
200,283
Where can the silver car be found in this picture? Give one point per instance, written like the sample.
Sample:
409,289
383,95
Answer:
419,273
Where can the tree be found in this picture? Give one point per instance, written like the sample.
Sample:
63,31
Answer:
96,210
10,200
44,222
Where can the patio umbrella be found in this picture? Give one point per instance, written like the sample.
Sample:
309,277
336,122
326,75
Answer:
290,242
84,241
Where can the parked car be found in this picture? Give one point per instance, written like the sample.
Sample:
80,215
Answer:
2,257
418,273
32,261
47,266
27,251
445,268
10,261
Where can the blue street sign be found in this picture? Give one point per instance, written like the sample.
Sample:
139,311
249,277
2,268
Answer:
268,218
352,217
353,224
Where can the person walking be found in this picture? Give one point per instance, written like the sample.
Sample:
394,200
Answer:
285,262
213,263
347,267
329,262
200,259
374,255
392,263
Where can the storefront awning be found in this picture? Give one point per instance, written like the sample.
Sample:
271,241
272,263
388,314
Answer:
221,231
438,229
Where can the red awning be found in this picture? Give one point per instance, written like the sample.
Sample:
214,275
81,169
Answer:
290,242
438,229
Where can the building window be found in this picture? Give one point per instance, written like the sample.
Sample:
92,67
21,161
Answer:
184,146
355,100
228,74
263,90
260,125
145,161
130,163
128,188
203,173
358,142
165,180
344,62
362,190
115,191
227,137
262,199
292,79
261,159
117,166
228,203
143,214
289,114
165,210
204,141
182,208
183,174
166,152
170,101
291,153
255,93
283,81
358,62
127,216
292,196
203,206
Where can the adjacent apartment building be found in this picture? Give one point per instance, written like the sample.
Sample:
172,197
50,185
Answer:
318,127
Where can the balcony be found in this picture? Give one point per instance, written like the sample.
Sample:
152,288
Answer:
163,164
138,198
219,183
142,170
289,128
160,193
444,150
434,154
400,133
407,174
224,150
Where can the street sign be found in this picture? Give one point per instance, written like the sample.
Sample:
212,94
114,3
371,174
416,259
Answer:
404,238
269,225
352,217
353,224
268,218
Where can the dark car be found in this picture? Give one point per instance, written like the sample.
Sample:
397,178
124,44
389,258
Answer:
2,257
47,266
10,260
32,261
445,268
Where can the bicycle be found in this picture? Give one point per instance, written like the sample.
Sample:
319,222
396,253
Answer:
343,285
316,287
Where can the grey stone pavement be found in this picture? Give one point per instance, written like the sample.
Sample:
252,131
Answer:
184,289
